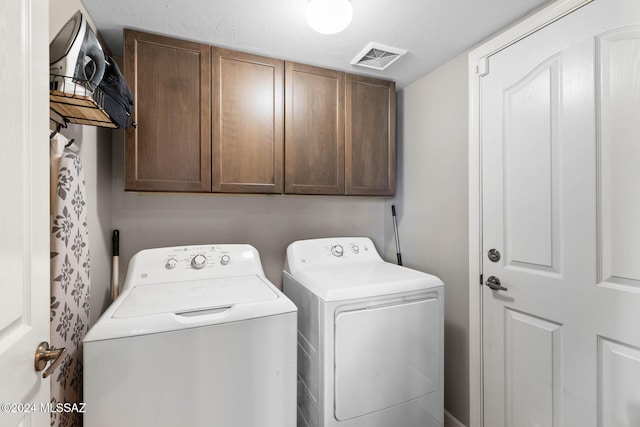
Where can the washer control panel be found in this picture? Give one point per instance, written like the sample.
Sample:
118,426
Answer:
197,257
193,263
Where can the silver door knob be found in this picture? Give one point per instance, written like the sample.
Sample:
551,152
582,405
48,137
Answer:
494,283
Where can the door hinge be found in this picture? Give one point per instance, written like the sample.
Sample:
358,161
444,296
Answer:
481,279
482,69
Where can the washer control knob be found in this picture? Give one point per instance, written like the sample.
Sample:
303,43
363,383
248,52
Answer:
171,263
225,259
198,261
337,250
355,249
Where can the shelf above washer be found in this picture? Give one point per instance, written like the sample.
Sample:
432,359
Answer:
69,106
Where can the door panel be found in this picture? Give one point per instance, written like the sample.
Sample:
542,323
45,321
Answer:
248,123
370,144
314,130
561,202
530,155
619,151
619,389
24,237
170,149
532,348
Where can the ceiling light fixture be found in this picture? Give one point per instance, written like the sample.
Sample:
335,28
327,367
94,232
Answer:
329,16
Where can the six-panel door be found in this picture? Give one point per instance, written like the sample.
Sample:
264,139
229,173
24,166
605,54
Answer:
561,203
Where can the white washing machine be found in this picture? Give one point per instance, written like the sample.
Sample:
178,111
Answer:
370,337
198,337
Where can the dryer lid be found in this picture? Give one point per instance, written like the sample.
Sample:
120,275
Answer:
192,296
354,281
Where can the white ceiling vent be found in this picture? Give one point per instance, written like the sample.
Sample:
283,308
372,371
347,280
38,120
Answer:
377,56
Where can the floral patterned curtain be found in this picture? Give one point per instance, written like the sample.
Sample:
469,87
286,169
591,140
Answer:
69,276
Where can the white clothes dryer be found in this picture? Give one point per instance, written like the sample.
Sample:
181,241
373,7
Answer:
198,337
370,337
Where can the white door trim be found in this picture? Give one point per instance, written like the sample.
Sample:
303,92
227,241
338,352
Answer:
478,66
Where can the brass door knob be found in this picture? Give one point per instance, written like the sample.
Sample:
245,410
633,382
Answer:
44,354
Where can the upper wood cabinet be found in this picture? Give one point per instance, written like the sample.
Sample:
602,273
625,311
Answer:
170,150
248,123
314,130
212,119
370,146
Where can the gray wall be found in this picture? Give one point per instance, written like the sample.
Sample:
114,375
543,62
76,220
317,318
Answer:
268,222
432,206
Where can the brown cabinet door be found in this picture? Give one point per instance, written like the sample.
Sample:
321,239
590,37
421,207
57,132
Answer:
314,130
370,153
170,150
248,123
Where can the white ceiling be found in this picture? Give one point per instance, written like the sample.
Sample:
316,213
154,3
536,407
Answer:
433,31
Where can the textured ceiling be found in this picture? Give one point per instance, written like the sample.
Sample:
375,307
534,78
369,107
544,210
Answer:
433,31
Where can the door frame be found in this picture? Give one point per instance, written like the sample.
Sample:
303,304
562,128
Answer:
478,63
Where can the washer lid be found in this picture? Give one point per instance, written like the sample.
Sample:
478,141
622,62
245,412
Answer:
195,295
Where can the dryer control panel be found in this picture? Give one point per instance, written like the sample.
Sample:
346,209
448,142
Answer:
348,248
332,251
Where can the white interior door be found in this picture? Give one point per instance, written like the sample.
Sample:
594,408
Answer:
24,210
560,134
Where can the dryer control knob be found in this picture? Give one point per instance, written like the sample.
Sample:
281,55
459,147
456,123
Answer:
171,263
198,261
355,249
337,250
225,259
